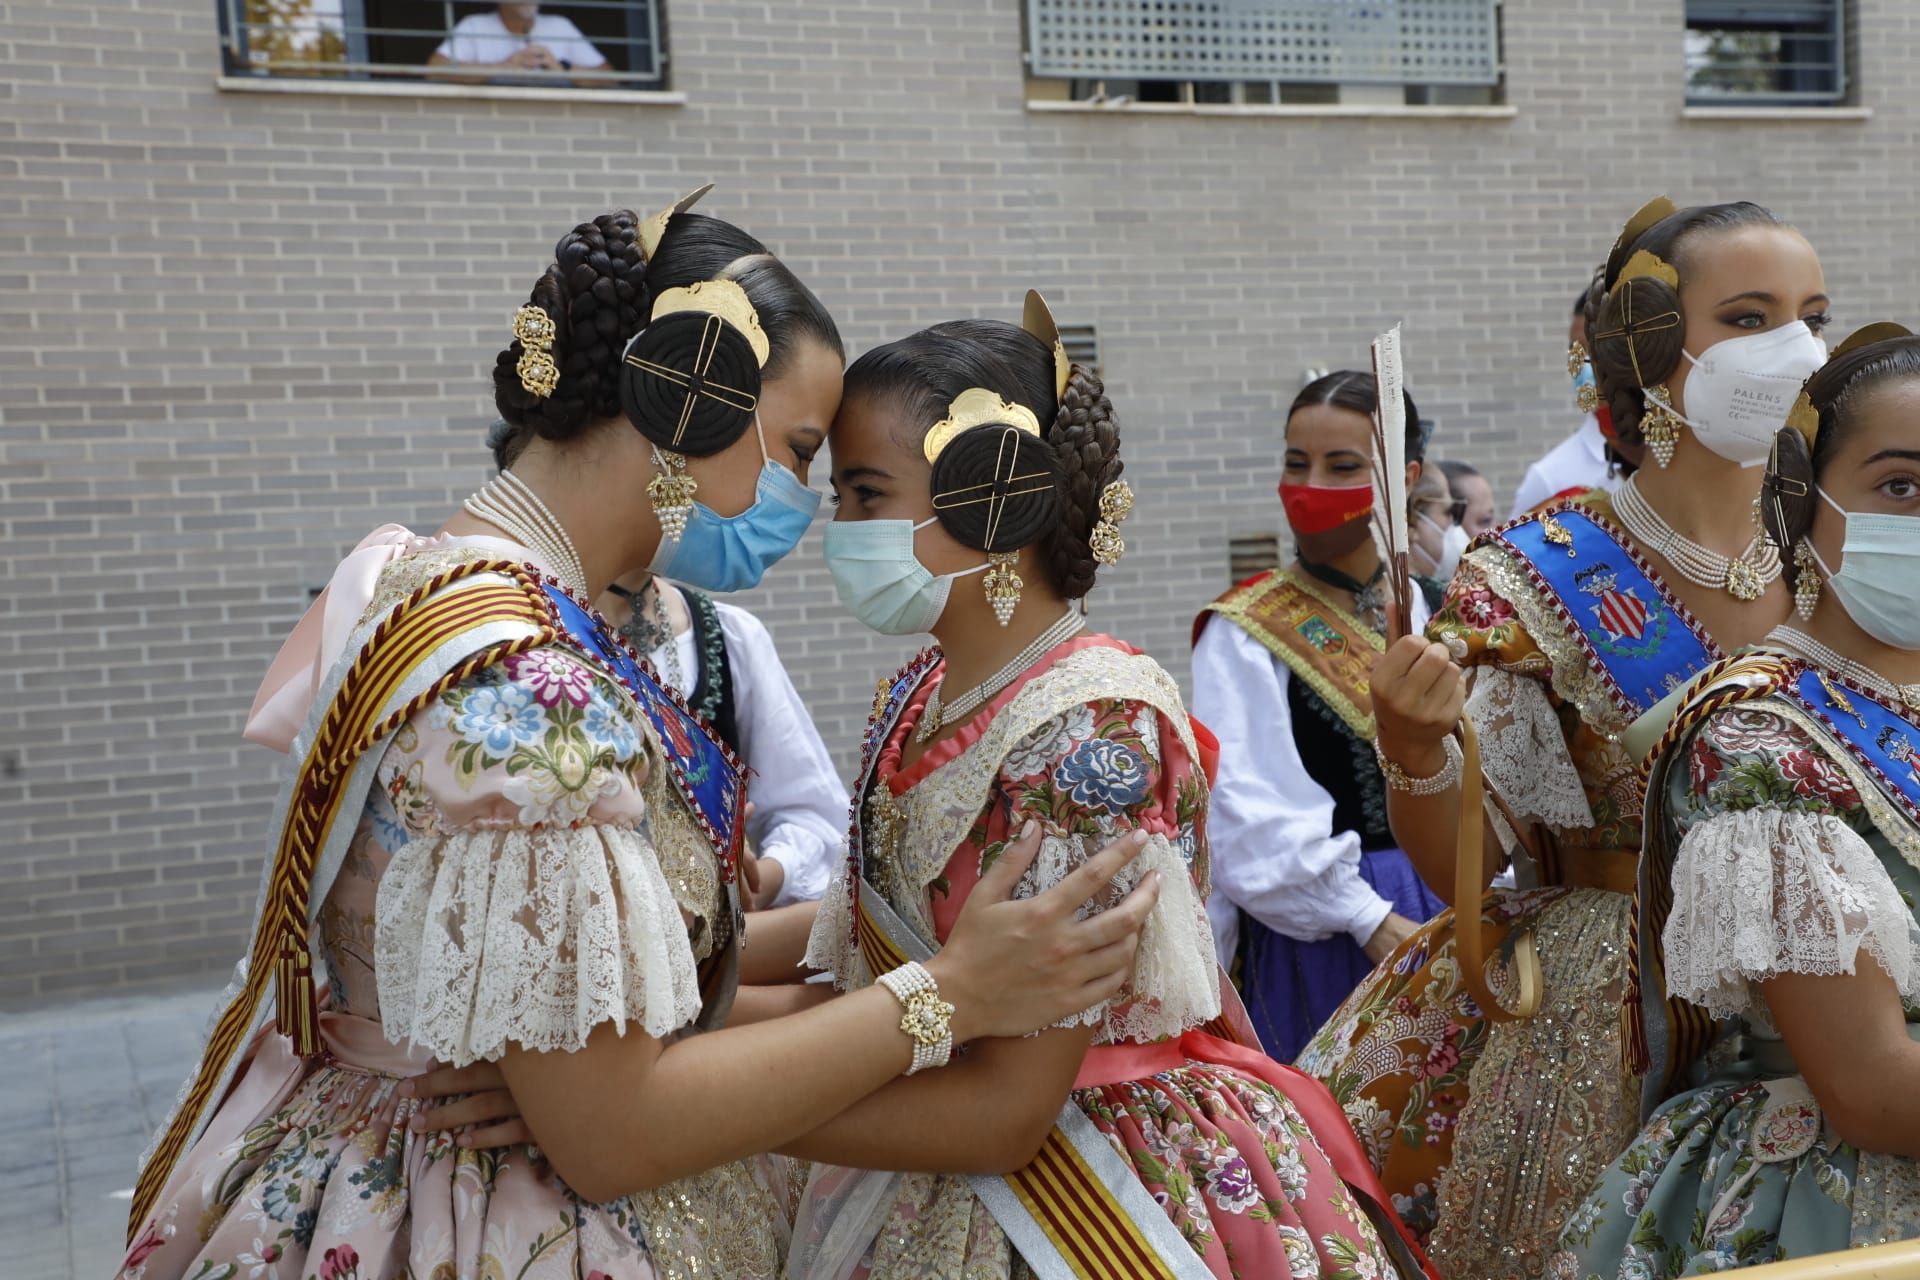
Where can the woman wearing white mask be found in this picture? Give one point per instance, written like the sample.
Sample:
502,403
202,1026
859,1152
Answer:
1309,891
1778,886
1573,621
1437,537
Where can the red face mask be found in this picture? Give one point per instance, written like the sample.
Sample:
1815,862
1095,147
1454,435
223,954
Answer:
1316,508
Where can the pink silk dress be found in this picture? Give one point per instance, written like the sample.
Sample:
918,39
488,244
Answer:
1227,1156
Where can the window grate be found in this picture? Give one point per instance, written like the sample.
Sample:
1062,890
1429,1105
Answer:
1082,344
1765,52
1253,553
1424,42
392,40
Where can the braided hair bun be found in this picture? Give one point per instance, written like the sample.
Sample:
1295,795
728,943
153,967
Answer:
595,292
689,383
1085,436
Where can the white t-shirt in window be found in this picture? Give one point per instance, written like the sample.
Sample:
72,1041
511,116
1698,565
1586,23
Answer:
483,38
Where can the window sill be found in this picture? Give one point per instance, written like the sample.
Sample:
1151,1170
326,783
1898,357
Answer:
1804,115
466,92
1280,110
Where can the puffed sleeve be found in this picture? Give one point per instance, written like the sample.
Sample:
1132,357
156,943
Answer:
1523,739
1087,777
528,904
1773,875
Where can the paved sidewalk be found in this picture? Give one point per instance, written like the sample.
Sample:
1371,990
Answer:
84,1088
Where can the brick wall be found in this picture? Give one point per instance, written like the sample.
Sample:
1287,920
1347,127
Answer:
240,330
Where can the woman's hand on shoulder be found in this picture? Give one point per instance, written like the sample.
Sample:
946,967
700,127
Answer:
1418,695
1012,967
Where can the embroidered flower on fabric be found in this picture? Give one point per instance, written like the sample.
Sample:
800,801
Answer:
562,797
1302,1261
1639,1191
341,1263
1033,755
1481,609
263,1260
498,718
1292,1172
1786,1132
1230,1182
1744,729
553,677
1102,775
1444,1056
1816,777
1146,727
607,728
1564,1265
1704,765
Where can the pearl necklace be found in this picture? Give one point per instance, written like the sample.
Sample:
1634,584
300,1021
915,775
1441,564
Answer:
1797,641
973,699
508,503
1744,577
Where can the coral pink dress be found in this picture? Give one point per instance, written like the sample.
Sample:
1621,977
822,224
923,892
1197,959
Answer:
1090,742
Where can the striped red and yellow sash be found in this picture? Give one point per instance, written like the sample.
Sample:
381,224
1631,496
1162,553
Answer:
357,718
1076,1211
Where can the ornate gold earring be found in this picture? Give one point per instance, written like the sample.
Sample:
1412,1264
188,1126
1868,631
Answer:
1003,584
671,491
1116,503
1806,581
1576,356
1660,426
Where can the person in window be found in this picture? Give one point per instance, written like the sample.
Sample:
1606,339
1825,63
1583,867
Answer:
516,37
721,660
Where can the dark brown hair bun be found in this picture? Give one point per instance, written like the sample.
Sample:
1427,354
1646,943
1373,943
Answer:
688,381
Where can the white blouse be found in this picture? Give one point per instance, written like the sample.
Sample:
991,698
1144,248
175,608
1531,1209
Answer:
1275,853
799,804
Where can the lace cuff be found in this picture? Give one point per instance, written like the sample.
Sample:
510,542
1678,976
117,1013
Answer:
534,936
1523,749
1173,987
1759,892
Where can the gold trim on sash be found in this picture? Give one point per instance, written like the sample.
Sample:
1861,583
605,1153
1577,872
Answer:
1325,646
420,627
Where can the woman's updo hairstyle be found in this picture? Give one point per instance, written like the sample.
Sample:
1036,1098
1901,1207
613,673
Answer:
1356,391
600,292
1878,353
926,372
1635,333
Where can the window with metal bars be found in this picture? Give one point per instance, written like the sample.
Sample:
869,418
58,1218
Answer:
1266,51
563,43
1766,52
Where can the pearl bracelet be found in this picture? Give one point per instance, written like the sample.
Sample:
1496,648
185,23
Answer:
927,1019
1445,780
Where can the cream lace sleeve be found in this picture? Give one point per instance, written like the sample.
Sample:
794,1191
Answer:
527,905
1523,748
1087,777
1762,892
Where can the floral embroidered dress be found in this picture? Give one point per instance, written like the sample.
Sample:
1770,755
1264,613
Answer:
1488,1133
1788,859
517,875
1090,742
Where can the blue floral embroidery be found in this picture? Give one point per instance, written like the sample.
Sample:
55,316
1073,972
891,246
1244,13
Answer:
500,718
606,728
1103,775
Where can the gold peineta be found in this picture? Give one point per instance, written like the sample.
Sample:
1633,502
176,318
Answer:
722,298
977,407
654,229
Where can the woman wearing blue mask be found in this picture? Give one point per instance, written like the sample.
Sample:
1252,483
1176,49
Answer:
1779,882
504,842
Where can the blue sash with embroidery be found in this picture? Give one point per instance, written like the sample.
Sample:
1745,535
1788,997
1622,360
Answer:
1635,635
704,770
1879,738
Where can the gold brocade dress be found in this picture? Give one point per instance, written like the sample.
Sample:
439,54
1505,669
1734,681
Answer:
1487,1134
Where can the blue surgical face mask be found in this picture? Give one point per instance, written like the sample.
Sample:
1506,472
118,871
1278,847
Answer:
731,553
881,582
1879,565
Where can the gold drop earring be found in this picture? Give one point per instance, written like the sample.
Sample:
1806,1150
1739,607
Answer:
1660,426
1806,581
1003,584
671,491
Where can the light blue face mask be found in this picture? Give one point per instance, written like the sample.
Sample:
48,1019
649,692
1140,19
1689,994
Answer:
1879,565
731,553
881,582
